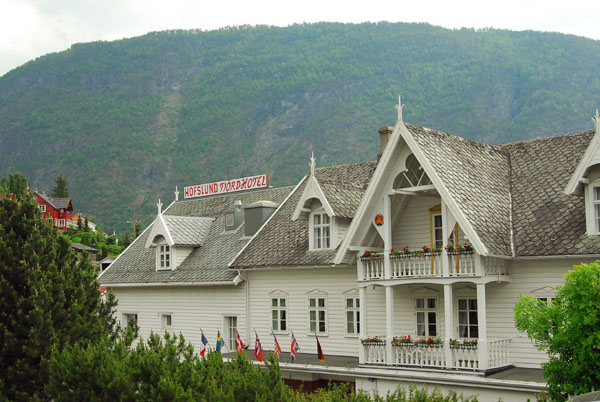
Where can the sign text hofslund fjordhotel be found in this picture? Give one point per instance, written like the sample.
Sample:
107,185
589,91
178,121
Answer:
227,186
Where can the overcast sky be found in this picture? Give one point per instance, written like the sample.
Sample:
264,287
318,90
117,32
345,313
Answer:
32,28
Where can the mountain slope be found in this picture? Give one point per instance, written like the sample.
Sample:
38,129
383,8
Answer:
126,121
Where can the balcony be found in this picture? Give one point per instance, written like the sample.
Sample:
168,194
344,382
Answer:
431,266
461,356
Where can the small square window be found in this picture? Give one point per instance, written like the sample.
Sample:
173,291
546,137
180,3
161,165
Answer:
166,321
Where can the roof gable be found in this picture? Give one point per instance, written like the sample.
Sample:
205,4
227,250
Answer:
312,190
590,157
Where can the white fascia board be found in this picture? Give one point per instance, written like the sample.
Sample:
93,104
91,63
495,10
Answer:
159,228
161,284
444,193
381,168
583,165
312,190
266,222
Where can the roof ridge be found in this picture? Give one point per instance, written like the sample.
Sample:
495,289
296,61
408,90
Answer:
549,138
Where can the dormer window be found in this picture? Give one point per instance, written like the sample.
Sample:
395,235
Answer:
592,203
163,256
596,204
321,231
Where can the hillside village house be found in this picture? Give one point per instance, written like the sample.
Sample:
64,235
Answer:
435,240
56,210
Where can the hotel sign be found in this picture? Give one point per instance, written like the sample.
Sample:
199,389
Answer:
227,186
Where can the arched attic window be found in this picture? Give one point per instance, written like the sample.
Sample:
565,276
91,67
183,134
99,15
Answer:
592,200
319,226
164,258
412,176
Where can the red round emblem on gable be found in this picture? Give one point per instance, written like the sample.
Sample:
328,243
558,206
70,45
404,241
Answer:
379,220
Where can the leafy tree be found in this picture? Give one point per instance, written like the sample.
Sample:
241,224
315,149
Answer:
16,184
49,299
126,239
137,228
568,329
60,187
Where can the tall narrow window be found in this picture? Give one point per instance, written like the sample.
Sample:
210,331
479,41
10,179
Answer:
426,309
231,328
164,257
596,203
321,231
317,315
278,314
438,236
467,318
352,316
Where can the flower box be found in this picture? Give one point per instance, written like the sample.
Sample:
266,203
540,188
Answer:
373,341
465,344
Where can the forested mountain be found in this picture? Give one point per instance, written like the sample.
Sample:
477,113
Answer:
126,121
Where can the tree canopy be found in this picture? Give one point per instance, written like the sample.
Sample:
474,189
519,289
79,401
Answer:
568,329
49,299
60,187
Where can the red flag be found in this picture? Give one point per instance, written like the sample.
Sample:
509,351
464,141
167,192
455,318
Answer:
295,348
204,343
320,354
258,351
276,348
239,345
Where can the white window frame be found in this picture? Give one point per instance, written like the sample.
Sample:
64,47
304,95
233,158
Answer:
166,321
592,214
43,208
312,227
61,223
468,324
426,310
168,257
354,312
317,308
229,331
127,316
435,230
277,311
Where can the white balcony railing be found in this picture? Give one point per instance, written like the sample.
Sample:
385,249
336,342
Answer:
465,357
373,268
462,265
375,352
498,353
414,266
419,355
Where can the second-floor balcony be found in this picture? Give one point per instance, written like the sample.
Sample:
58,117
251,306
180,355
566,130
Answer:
430,264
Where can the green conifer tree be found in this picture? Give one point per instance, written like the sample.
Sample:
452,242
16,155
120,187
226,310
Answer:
60,187
86,225
79,224
137,228
16,184
49,299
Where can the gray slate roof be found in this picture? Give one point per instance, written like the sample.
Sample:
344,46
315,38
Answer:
188,230
58,203
283,242
207,263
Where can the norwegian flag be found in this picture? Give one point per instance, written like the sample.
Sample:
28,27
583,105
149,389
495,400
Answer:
258,350
276,347
239,345
295,348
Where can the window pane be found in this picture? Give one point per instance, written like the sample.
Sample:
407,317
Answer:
311,302
432,330
317,219
431,318
421,329
462,304
274,302
473,317
321,315
357,302
313,326
430,303
474,331
283,326
472,304
283,314
274,314
462,317
420,303
597,193
321,326
462,331
420,317
321,302
349,303
274,325
282,302
325,218
313,315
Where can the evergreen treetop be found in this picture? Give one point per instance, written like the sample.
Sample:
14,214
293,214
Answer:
60,187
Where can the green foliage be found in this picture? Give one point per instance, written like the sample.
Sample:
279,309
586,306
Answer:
16,184
48,298
137,228
159,369
60,187
568,330
189,107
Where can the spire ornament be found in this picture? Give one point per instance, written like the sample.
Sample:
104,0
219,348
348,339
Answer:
159,205
596,120
176,194
313,164
399,108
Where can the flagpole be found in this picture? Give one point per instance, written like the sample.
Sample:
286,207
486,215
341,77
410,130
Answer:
207,341
225,343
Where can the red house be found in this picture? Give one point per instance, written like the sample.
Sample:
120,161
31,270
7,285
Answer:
58,210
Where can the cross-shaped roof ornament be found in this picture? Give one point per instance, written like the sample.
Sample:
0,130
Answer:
399,107
159,205
176,194
313,164
596,120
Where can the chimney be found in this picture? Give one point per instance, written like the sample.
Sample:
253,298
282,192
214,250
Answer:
234,219
256,214
384,136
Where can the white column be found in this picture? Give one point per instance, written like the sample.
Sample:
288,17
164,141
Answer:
389,322
445,234
362,294
448,323
482,327
387,236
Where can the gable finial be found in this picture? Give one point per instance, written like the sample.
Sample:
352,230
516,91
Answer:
313,164
176,194
596,120
399,107
159,205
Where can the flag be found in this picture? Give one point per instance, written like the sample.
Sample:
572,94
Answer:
276,347
320,354
295,348
220,342
258,352
239,345
204,343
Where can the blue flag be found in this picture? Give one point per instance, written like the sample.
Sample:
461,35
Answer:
220,342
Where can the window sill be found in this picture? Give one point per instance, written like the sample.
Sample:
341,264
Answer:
323,335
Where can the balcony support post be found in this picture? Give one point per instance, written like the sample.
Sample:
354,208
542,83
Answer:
362,294
389,323
482,347
387,236
446,232
448,324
